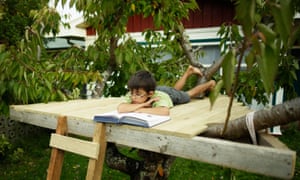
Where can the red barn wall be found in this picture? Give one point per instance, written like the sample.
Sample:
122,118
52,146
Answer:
211,13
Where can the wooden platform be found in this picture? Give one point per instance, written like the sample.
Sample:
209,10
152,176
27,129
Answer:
176,137
187,120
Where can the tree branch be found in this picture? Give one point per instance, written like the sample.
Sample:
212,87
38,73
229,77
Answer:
278,115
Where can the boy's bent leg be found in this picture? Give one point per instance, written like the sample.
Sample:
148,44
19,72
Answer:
201,88
189,71
177,96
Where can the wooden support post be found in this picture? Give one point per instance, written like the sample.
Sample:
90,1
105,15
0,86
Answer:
57,155
94,150
95,166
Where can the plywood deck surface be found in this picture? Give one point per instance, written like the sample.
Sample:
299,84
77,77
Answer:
186,120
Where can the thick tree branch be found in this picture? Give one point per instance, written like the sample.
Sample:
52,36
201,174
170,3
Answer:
190,54
186,46
278,115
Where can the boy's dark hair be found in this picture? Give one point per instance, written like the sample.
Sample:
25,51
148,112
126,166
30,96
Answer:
142,79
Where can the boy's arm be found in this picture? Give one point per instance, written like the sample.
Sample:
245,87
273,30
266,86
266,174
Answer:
163,111
128,107
144,108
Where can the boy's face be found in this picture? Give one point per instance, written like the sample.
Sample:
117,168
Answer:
139,96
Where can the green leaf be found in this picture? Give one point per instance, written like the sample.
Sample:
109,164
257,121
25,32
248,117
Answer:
19,92
72,2
50,67
294,75
269,34
63,2
56,2
25,77
215,92
283,16
245,13
89,4
294,36
250,58
157,19
119,56
268,65
3,88
228,66
61,95
48,85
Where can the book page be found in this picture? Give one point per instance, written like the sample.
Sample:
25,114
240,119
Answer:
132,118
143,119
109,117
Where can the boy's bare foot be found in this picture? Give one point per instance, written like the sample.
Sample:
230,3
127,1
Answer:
194,70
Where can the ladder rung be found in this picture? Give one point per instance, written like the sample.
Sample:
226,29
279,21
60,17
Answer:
85,148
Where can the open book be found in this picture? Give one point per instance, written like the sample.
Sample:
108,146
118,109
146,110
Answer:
137,119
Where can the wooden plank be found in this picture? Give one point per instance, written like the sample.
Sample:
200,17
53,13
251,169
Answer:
76,125
265,139
250,158
75,145
57,155
186,120
95,167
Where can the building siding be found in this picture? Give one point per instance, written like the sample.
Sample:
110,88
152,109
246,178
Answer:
211,13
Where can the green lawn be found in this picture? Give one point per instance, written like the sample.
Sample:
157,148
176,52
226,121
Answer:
33,164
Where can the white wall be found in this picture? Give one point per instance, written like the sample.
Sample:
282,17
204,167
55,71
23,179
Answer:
73,18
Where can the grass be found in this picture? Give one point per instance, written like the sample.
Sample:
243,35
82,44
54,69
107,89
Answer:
34,163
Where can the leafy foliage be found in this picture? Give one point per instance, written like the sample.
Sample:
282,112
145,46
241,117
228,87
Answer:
30,74
251,87
35,75
4,146
8,151
228,67
269,33
15,17
118,54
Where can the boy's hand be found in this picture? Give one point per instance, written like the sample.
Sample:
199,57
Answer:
151,101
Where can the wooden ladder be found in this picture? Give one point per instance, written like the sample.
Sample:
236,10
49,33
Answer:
94,150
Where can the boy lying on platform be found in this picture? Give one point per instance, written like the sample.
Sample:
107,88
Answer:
145,97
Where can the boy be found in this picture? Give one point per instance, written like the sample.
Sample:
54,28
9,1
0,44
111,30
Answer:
145,97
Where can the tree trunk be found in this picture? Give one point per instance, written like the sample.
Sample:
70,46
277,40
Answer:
153,166
278,115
